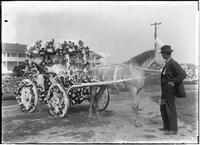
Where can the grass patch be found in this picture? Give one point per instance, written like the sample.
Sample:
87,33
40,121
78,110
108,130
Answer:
187,108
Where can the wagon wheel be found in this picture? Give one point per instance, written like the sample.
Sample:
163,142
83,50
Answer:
104,100
57,101
27,96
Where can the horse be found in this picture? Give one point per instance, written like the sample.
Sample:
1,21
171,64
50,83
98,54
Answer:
134,71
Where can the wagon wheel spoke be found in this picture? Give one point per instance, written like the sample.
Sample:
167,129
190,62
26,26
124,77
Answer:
27,96
57,101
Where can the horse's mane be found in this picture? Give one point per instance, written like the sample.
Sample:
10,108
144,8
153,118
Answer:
141,58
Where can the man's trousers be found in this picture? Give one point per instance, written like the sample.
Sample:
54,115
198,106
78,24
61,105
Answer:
168,110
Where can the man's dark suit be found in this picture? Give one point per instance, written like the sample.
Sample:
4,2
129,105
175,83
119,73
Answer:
173,73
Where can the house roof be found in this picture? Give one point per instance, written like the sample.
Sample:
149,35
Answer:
93,54
13,48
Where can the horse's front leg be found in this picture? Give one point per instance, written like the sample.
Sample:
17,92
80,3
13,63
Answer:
137,117
137,120
135,105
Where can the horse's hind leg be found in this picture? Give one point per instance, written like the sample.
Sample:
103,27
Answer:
94,95
97,98
92,102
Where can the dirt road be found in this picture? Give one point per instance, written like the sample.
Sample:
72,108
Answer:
115,124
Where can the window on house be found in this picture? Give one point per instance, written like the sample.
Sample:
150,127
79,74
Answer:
12,54
8,55
21,55
4,64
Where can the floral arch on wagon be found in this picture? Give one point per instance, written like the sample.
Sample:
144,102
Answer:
66,62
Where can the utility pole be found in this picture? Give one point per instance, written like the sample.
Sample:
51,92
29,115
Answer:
155,31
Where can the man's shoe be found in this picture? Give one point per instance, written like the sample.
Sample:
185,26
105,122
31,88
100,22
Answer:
171,133
163,129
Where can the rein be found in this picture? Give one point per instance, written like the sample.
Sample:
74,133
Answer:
149,70
140,68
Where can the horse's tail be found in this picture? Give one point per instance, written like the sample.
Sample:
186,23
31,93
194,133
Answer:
115,73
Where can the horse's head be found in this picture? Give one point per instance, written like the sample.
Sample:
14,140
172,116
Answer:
158,57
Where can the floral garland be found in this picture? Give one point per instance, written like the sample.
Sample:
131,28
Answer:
41,93
76,95
79,56
32,71
31,102
56,103
75,51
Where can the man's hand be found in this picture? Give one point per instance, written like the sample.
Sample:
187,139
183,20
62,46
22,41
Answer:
171,83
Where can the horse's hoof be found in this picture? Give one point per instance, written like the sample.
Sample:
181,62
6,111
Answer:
138,123
91,116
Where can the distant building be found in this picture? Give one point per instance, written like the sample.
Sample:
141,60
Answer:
13,54
94,59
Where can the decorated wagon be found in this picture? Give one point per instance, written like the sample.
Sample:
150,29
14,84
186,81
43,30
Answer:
58,74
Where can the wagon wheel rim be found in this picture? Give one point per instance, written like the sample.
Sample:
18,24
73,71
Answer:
104,100
27,96
57,101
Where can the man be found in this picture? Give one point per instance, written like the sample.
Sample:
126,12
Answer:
171,76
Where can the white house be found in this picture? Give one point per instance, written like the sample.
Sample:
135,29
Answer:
12,54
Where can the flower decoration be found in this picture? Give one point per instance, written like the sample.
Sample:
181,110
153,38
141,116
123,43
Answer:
26,96
75,51
78,59
56,102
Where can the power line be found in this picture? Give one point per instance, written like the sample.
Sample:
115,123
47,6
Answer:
155,24
155,30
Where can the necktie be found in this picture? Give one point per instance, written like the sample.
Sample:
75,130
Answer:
164,69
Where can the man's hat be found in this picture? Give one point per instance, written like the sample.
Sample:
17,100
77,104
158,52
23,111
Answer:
166,49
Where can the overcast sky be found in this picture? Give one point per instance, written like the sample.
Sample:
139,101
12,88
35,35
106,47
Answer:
119,29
